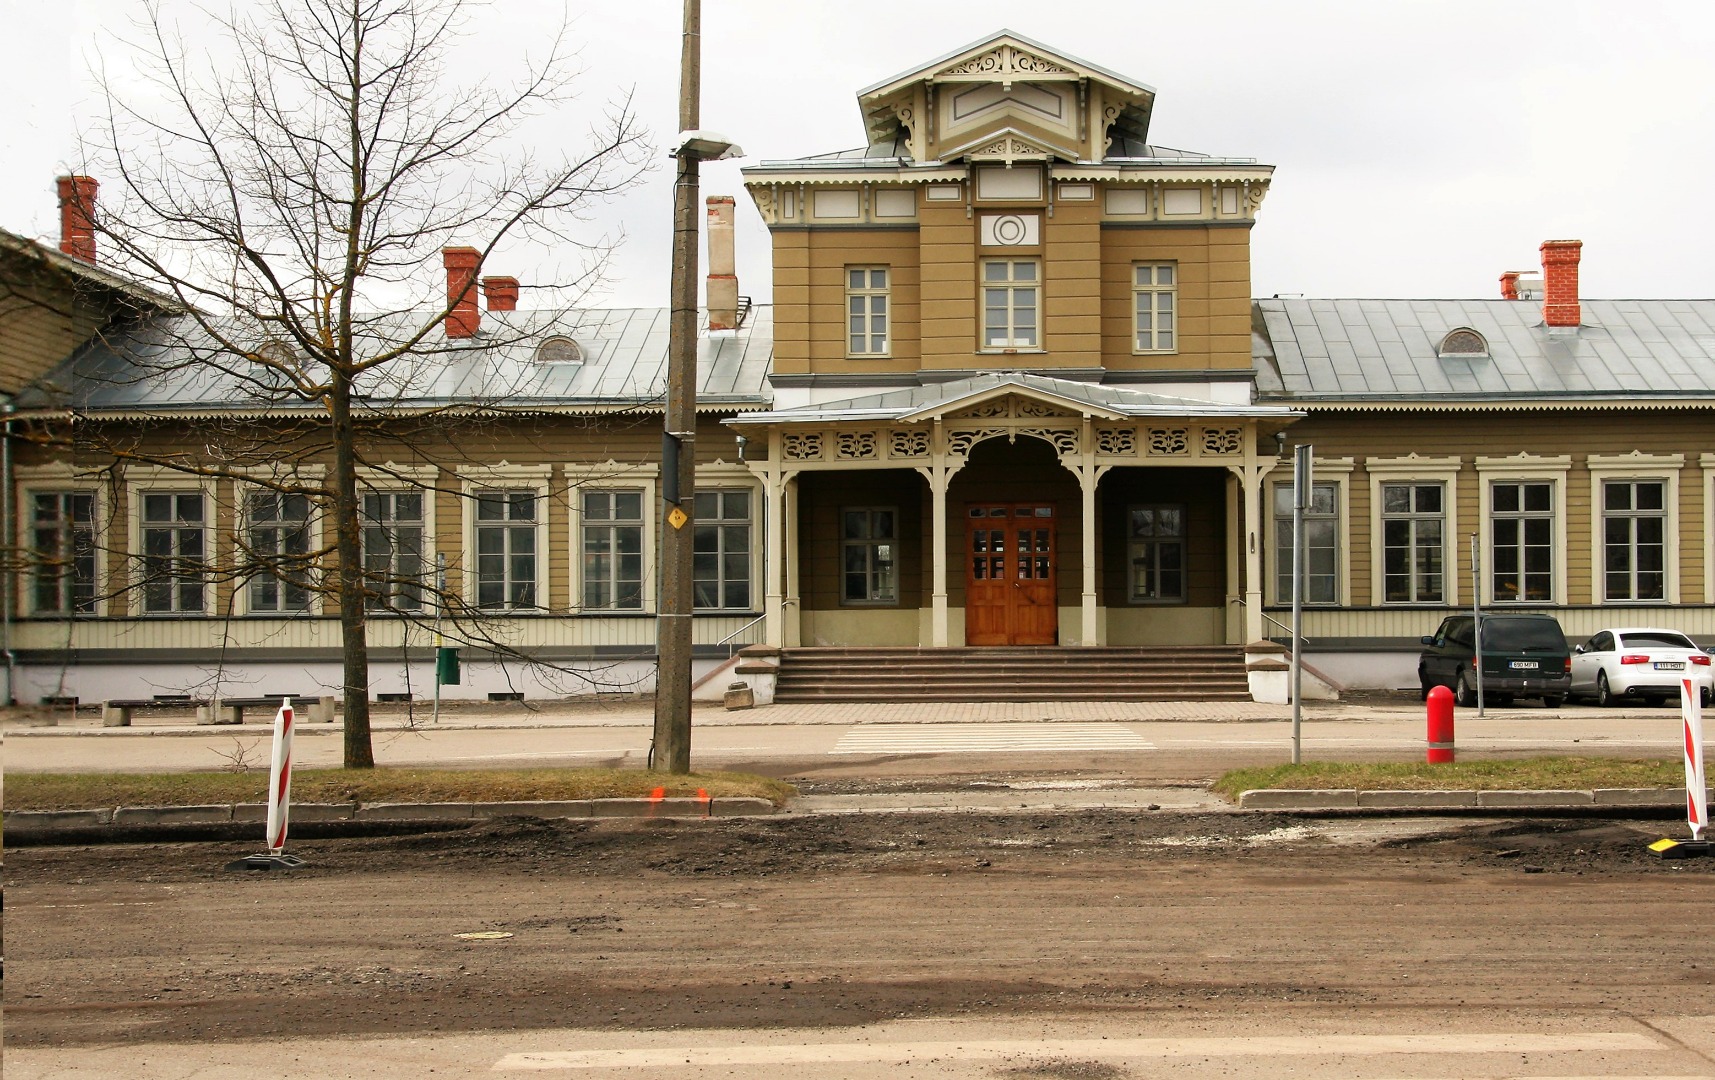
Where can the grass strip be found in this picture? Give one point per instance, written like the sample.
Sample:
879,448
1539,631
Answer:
76,791
1513,774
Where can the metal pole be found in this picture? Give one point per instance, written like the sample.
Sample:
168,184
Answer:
671,748
1477,616
1301,488
440,606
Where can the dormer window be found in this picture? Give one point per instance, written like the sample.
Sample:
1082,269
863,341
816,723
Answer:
559,350
1463,343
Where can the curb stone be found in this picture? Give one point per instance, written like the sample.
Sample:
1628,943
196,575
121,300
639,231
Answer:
1338,799
301,812
171,815
1536,798
1415,799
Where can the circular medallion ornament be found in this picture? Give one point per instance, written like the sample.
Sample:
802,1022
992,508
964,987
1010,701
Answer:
1010,229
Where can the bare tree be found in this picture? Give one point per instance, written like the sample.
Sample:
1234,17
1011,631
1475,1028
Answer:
293,186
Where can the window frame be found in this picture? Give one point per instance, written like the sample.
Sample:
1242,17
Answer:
245,586
1522,468
1412,469
1636,467
1012,286
868,295
869,544
59,479
391,479
613,476
1133,544
1156,290
475,480
147,480
1335,471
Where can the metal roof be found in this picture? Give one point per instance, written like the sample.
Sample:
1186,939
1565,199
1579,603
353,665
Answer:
1385,351
172,366
918,402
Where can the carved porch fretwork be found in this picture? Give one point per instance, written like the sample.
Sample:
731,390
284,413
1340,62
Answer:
1116,442
1169,442
801,446
855,446
1223,441
1011,406
1063,440
1009,150
960,441
904,443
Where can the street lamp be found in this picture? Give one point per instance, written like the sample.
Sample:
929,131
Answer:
670,751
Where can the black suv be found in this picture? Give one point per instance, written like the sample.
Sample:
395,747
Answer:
1523,656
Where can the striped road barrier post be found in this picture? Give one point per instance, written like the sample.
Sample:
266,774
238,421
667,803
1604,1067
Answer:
1696,782
279,800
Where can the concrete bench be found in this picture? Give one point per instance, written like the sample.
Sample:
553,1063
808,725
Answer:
315,710
116,712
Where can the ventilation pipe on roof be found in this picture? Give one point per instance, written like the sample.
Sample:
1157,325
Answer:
77,216
501,293
723,270
461,264
1560,282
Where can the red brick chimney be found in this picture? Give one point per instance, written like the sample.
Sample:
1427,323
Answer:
1509,284
501,293
461,264
1560,282
722,287
77,216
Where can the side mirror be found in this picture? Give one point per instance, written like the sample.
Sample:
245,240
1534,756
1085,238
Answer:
1579,649
1426,640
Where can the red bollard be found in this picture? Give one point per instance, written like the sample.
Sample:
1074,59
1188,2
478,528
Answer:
1440,725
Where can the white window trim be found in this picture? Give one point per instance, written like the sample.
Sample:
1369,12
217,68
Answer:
1708,463
242,488
1153,289
143,478
1636,465
59,477
1526,468
729,476
393,477
1441,470
1041,287
1337,471
612,476
886,293
504,476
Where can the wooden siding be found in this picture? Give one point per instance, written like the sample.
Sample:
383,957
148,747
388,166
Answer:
40,328
1203,494
1214,296
821,497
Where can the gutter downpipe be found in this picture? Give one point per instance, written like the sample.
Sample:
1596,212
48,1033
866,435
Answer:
10,576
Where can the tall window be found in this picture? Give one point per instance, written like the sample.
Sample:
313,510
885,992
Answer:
506,550
1153,292
1522,559
393,549
720,560
1321,544
175,544
1634,540
62,541
869,554
1413,548
866,308
279,539
1155,538
613,549
1010,304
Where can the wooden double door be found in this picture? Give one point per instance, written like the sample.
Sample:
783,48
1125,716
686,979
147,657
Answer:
1010,574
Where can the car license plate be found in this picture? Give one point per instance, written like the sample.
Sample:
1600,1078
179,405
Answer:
1670,665
1524,665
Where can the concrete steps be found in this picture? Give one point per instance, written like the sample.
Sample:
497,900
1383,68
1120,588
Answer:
1162,673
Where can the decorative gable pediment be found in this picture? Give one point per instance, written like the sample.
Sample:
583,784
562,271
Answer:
1003,63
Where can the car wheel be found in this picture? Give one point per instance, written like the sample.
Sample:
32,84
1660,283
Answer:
1552,701
1604,696
1423,689
1464,691
1708,697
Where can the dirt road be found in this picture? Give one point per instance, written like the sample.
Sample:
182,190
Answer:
823,921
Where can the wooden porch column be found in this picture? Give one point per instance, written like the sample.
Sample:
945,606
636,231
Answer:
1087,480
938,474
1250,477
792,610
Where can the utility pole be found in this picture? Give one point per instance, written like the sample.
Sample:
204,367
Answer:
1302,488
671,749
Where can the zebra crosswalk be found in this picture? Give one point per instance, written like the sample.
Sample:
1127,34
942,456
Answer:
988,738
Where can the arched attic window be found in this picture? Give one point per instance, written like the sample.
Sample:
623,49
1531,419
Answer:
559,350
1463,343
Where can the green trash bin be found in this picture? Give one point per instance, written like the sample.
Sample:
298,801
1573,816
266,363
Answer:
447,666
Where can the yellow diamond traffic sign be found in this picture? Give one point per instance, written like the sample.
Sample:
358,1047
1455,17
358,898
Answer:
676,518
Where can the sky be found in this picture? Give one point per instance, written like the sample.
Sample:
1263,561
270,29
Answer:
1421,148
